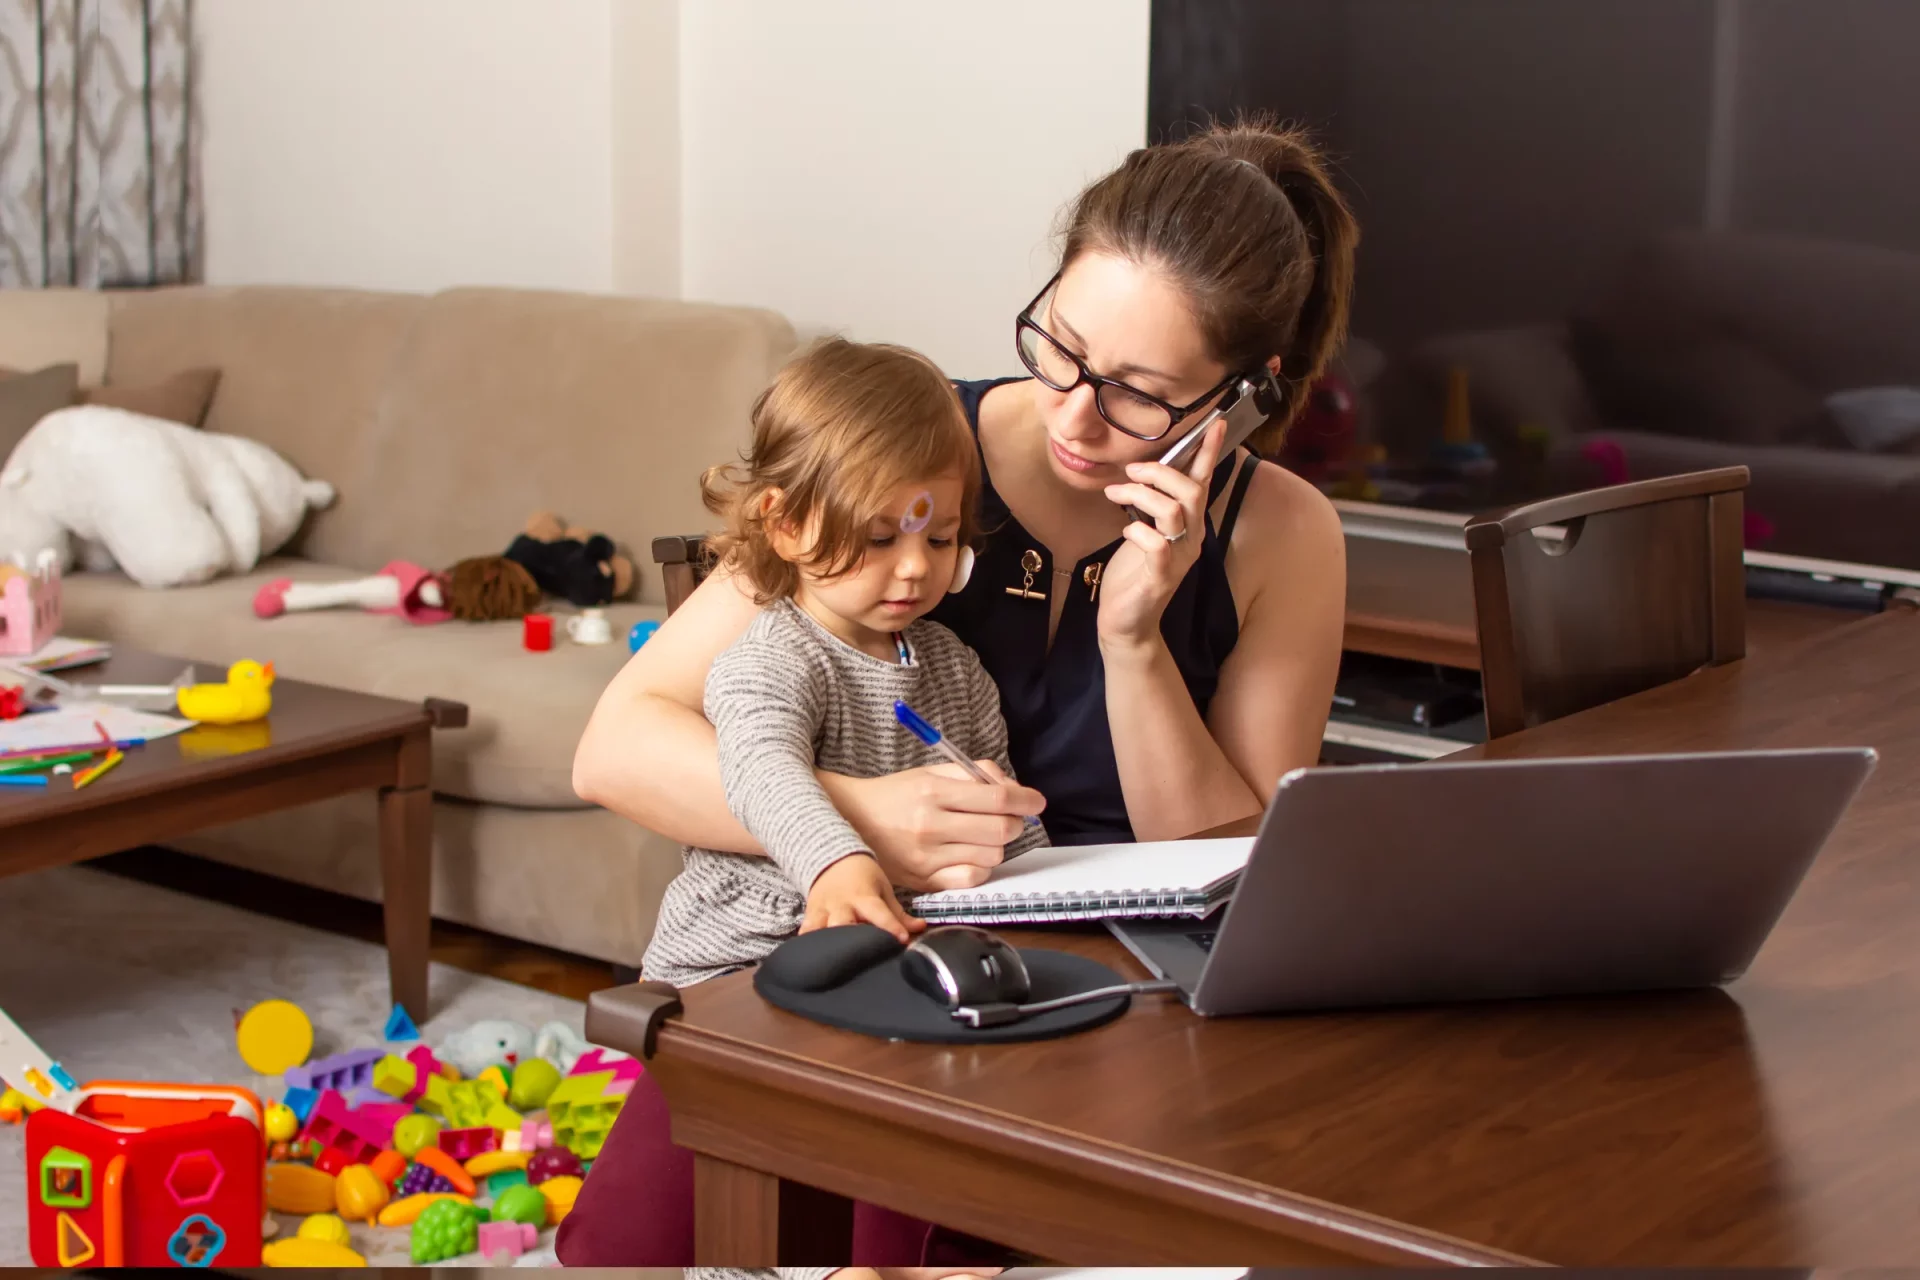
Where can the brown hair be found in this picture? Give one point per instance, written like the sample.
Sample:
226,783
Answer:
836,433
1245,217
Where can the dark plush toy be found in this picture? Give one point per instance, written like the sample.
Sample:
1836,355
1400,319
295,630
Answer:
582,568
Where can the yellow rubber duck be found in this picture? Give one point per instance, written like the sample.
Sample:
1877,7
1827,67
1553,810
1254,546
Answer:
243,697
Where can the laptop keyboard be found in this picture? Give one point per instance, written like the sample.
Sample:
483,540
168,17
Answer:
1203,938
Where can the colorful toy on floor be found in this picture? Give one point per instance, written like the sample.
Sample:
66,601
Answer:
501,1242
400,1026
554,1162
582,1110
446,1229
343,1072
447,1167
533,1083
497,1078
402,1212
359,1194
560,1194
299,1189
281,1122
488,1163
521,1204
298,1252
415,1132
147,1175
243,696
274,1036
464,1144
325,1226
300,1102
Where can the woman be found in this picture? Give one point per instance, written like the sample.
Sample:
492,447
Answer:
1157,678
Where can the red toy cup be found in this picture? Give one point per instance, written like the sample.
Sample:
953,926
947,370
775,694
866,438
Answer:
537,634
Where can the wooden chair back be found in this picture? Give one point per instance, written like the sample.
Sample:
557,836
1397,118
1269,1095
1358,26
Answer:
1622,588
683,563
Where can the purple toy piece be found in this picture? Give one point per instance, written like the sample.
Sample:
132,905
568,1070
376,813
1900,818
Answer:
420,1178
343,1072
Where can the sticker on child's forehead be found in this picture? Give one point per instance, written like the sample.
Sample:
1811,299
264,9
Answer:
919,513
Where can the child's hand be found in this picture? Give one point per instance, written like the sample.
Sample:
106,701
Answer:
853,890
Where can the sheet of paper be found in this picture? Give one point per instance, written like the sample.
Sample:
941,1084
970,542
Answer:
63,652
1113,868
75,723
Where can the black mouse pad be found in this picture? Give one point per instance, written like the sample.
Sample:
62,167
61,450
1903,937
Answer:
878,1002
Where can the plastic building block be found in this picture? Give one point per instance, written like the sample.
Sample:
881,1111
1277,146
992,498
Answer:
398,1078
400,1026
445,1229
355,1134
504,1241
464,1144
595,1060
332,1160
535,1134
554,1162
581,1112
300,1101
425,1062
344,1072
495,1078
467,1104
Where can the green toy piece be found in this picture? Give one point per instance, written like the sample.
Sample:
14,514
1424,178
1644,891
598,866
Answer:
414,1132
533,1084
446,1229
521,1204
499,1182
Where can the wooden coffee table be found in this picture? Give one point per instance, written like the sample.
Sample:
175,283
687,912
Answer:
316,744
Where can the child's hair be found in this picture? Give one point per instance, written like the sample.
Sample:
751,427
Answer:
840,429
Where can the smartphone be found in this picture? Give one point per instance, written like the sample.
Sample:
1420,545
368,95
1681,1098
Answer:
1249,409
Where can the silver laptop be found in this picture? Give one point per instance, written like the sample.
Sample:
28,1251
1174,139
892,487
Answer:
1486,880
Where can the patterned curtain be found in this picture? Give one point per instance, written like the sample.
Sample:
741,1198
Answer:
98,185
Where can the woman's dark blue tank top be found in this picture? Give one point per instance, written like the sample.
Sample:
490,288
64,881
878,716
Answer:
1055,701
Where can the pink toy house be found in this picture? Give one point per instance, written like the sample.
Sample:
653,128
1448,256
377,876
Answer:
29,607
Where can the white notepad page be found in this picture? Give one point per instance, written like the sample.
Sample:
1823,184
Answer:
1166,866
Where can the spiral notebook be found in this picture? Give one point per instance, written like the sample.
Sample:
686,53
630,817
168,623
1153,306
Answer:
1097,882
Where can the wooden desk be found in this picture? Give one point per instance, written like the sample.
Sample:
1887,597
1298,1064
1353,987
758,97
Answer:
1777,1123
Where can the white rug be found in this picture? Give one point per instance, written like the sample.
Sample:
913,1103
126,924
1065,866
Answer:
122,981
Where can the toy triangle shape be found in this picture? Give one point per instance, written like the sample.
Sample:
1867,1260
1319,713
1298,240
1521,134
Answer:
400,1026
71,1244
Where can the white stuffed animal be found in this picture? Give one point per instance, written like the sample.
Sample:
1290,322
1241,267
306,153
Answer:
169,504
498,1042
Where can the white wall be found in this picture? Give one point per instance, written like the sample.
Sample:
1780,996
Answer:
886,169
407,144
890,169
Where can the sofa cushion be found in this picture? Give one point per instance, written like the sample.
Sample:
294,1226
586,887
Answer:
25,398
528,709
182,398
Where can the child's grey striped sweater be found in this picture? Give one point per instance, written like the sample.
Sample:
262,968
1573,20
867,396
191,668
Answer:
789,697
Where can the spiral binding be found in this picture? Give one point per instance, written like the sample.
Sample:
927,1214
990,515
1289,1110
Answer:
1060,908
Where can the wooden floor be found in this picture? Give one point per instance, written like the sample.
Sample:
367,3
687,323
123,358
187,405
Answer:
473,950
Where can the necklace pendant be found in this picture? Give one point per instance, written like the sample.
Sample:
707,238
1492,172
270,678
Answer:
1091,576
1030,564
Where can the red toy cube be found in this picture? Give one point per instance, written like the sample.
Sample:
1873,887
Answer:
147,1175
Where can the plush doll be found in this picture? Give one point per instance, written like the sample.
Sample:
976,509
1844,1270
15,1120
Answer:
168,504
416,594
580,567
498,1042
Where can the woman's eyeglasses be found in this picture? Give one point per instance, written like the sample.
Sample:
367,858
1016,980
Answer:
1124,408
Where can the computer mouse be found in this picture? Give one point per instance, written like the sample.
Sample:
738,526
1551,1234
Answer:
959,965
827,958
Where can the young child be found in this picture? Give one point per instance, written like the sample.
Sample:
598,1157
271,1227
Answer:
849,521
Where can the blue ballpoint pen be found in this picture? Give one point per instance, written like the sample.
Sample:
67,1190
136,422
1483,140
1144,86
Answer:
920,729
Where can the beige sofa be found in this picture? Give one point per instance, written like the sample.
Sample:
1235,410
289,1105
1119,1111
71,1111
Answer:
443,421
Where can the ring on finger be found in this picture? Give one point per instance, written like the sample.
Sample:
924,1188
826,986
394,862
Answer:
1174,537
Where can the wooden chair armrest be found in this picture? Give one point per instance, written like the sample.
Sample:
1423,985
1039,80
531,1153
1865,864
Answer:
1488,531
680,549
628,1018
